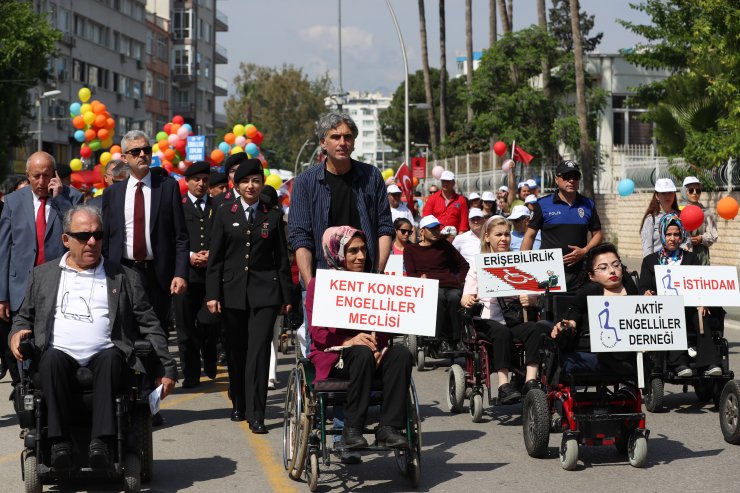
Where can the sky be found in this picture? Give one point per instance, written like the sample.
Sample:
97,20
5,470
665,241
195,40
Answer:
303,33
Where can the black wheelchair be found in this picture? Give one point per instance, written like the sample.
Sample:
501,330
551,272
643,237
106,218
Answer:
132,458
305,426
729,412
422,348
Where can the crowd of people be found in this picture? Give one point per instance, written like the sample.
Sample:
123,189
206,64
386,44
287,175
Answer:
223,261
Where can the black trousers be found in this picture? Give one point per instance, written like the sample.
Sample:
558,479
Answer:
449,319
160,298
194,339
502,337
57,370
360,369
248,341
6,355
706,351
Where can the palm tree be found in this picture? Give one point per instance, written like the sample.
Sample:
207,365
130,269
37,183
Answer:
586,153
505,17
491,23
542,20
469,51
442,73
427,81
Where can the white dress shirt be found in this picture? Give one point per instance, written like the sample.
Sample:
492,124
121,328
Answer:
246,206
37,204
468,245
129,214
401,211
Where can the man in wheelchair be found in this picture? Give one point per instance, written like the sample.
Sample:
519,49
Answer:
84,311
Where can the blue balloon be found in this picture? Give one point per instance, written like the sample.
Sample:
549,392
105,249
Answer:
626,187
74,108
224,147
252,149
187,125
80,136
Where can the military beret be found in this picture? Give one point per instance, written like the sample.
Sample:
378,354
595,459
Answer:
198,168
248,167
217,179
235,160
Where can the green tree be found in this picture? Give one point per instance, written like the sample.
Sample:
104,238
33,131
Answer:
27,40
697,108
283,103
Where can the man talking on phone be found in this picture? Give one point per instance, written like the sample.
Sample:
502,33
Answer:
30,234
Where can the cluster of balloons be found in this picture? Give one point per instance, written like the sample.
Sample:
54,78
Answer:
171,143
94,126
242,138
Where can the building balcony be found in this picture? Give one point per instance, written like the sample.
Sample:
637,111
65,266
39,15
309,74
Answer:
222,54
222,22
185,109
221,86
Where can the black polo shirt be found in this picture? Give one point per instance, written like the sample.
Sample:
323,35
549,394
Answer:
562,224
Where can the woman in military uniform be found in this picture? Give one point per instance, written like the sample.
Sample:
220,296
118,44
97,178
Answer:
248,281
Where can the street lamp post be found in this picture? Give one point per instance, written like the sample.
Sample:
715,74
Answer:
405,84
298,157
47,94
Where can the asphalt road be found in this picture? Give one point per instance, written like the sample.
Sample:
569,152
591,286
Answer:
199,449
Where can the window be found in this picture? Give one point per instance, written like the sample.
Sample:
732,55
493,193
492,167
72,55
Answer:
136,89
162,49
207,68
628,128
125,45
368,133
368,123
367,111
136,49
209,105
181,57
161,88
181,24
92,75
149,84
148,127
149,42
79,73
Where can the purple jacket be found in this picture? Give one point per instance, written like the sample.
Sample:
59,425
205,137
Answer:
326,337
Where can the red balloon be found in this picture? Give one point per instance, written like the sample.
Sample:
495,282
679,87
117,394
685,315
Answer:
178,119
258,137
183,186
692,217
85,152
181,145
499,148
167,128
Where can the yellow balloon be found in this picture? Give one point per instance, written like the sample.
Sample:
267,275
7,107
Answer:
85,108
238,130
155,148
98,192
105,157
88,117
236,149
107,143
84,94
274,181
75,164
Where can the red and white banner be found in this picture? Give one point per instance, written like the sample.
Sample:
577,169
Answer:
700,285
515,273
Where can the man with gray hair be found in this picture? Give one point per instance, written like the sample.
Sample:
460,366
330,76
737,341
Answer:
116,170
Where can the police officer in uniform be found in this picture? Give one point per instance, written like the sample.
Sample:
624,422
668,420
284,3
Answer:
248,281
197,328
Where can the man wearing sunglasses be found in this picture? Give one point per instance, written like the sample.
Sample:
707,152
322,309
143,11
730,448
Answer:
82,310
566,218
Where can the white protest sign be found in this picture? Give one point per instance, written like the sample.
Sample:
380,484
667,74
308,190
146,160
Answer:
700,285
375,302
636,323
515,273
394,266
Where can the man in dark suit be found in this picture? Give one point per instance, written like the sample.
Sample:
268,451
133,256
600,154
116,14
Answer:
82,311
196,328
145,228
30,233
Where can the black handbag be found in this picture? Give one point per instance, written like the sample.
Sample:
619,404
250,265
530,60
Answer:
512,310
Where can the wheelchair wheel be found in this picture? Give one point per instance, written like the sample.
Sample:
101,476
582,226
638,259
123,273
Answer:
729,412
412,344
312,470
409,461
455,388
143,425
637,449
704,390
476,407
131,473
653,395
31,478
568,453
302,428
421,357
536,423
289,420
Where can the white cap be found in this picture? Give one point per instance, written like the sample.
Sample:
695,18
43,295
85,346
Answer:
488,197
473,196
530,199
531,183
690,180
503,188
447,176
518,211
449,230
428,222
521,184
475,212
664,185
393,189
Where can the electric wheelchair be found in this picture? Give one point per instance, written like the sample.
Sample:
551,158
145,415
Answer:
306,426
132,451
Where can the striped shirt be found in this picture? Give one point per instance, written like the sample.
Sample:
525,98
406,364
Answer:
310,203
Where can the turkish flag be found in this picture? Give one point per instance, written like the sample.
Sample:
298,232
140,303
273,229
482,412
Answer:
521,155
406,182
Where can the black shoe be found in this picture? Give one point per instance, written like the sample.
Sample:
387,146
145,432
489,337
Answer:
3,370
507,394
222,358
157,420
352,438
444,347
61,455
258,427
190,382
530,385
388,436
99,454
237,415
209,368
350,458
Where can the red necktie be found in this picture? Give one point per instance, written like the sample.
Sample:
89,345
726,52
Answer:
139,224
40,231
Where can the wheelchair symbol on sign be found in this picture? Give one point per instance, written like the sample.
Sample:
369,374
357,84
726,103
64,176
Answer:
609,339
516,277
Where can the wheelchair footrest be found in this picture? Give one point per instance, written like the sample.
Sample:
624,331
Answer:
370,448
609,417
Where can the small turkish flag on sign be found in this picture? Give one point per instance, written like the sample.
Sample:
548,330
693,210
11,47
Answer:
404,179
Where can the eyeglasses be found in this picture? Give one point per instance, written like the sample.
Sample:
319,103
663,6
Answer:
570,177
84,236
405,231
616,265
693,190
138,150
395,195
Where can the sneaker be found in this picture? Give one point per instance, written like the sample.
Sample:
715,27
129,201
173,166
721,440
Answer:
530,385
713,371
507,394
352,438
388,436
684,372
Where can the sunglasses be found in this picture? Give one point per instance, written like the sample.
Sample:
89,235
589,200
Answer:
570,177
405,231
396,195
693,190
84,236
138,150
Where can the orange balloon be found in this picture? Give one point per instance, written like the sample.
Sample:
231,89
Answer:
169,154
217,156
163,144
115,149
99,109
100,121
90,134
250,131
78,122
174,128
110,123
103,133
727,208
230,138
416,181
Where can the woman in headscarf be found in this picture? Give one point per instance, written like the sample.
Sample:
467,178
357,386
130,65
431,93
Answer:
672,235
364,356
